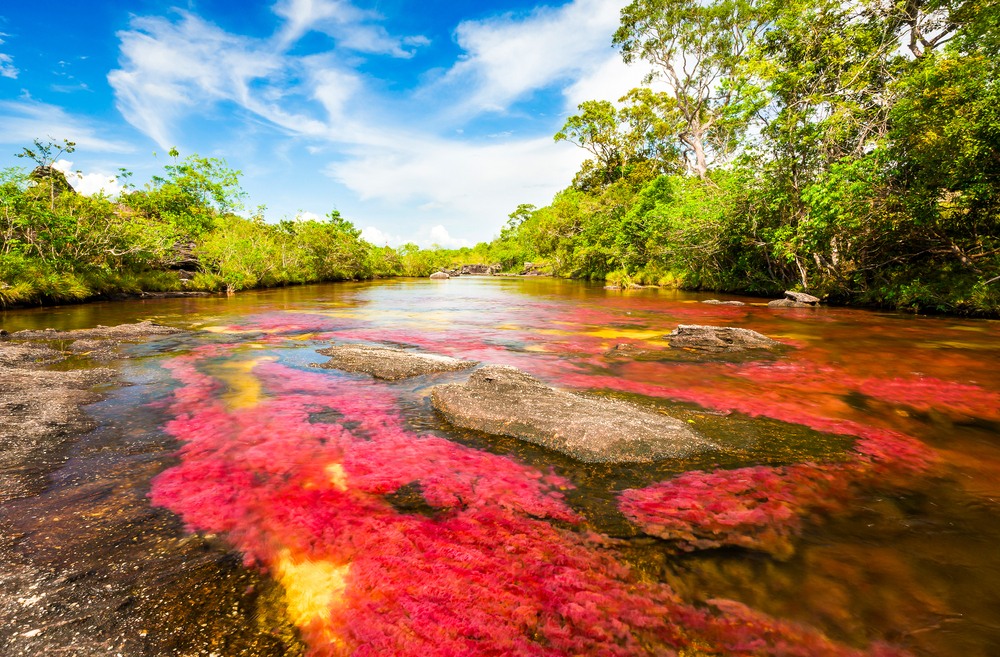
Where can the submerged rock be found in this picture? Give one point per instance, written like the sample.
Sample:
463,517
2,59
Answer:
440,276
716,302
716,339
121,332
101,342
788,303
388,362
503,400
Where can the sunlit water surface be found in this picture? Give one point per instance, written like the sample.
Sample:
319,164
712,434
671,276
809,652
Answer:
852,509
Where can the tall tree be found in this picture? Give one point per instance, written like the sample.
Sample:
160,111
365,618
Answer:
697,48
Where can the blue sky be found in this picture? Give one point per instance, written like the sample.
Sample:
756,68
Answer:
420,121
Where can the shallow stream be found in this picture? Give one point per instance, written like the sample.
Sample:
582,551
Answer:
236,501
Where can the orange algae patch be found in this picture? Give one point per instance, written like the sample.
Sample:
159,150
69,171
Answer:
243,390
338,477
312,589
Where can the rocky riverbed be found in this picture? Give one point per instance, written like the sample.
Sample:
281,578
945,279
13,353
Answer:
87,566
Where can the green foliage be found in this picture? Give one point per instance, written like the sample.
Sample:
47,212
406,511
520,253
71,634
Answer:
57,245
870,175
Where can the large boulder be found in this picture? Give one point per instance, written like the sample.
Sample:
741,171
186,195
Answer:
715,339
440,276
503,400
801,297
389,363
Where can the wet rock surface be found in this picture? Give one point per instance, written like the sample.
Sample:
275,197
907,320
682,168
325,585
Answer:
100,343
788,303
440,276
39,413
505,401
388,363
122,332
717,302
801,297
795,300
87,566
718,339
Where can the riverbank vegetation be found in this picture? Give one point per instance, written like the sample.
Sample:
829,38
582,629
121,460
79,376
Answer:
851,150
848,149
182,231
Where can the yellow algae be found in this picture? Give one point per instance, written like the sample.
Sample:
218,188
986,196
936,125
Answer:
312,589
243,389
337,476
223,329
615,333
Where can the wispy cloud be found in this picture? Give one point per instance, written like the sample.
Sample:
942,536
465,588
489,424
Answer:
444,178
169,68
509,57
7,68
26,120
172,68
350,27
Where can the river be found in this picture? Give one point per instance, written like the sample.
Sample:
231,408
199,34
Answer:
236,501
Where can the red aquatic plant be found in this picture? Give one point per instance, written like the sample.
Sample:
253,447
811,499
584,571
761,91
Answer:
763,507
302,482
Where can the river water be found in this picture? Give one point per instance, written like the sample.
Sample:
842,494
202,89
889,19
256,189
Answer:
236,501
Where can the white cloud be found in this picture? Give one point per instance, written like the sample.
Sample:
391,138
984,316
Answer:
7,68
349,26
466,182
398,174
509,57
438,235
308,216
26,120
610,80
168,69
89,184
378,237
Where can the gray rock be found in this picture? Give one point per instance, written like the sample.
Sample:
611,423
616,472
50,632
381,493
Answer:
716,302
440,276
716,339
505,401
788,303
389,363
120,332
801,297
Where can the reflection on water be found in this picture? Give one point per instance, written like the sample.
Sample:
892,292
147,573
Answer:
852,509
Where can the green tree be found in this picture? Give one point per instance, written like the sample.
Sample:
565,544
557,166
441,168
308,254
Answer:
697,48
45,154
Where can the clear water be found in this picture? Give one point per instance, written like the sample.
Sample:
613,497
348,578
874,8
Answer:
853,505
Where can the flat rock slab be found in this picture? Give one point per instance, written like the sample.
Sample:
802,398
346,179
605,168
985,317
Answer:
389,363
120,332
716,302
788,303
505,401
716,339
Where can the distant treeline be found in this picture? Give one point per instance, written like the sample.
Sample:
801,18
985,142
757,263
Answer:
850,149
180,232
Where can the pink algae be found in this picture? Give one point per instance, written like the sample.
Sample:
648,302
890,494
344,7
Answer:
502,567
